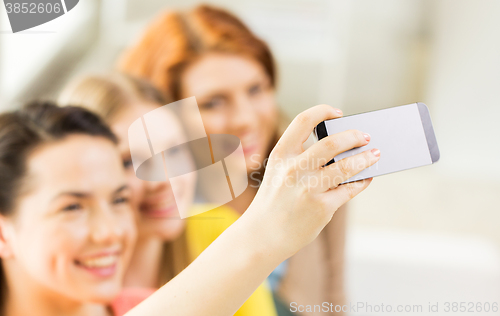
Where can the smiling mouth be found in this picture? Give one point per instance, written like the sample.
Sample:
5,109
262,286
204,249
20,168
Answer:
249,149
158,212
250,145
101,266
160,206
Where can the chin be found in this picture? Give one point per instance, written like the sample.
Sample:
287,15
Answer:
102,294
170,229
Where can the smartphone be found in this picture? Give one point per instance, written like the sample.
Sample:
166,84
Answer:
404,135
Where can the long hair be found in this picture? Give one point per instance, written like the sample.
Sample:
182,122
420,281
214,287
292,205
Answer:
174,40
107,95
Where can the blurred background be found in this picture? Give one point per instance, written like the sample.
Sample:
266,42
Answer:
429,234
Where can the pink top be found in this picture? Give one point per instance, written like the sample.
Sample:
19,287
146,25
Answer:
128,299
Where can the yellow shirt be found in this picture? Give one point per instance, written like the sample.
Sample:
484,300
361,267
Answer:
202,230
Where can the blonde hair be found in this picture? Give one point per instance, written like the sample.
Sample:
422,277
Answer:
106,95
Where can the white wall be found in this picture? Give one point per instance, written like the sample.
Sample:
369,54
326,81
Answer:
30,60
463,87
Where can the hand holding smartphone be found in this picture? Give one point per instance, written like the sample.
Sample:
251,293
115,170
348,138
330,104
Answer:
404,135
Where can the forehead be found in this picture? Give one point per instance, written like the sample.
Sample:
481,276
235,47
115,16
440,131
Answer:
225,71
76,162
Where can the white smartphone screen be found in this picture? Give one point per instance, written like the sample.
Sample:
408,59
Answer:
403,134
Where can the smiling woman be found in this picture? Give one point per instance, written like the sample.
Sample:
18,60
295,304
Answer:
209,53
67,231
66,228
166,244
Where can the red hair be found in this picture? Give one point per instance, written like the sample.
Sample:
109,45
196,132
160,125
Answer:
174,40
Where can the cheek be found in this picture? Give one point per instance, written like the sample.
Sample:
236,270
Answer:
267,112
137,188
266,104
48,251
189,184
127,221
215,122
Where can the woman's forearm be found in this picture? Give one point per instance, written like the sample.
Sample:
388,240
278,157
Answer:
288,212
219,281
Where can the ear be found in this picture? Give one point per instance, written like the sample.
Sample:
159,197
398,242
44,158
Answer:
6,234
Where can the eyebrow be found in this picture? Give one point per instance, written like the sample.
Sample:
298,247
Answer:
120,189
86,195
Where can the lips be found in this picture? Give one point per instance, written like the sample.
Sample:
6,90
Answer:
101,265
169,211
249,149
160,206
250,145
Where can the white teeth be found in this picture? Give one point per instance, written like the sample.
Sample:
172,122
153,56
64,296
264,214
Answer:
100,262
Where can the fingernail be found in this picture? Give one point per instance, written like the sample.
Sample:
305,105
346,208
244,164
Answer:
367,136
338,111
376,152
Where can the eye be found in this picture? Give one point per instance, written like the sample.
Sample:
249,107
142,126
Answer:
127,163
72,207
213,103
120,200
255,89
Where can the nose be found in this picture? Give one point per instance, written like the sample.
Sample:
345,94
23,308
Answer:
243,115
106,227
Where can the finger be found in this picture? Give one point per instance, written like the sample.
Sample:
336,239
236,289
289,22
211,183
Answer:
324,150
302,125
331,176
345,192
